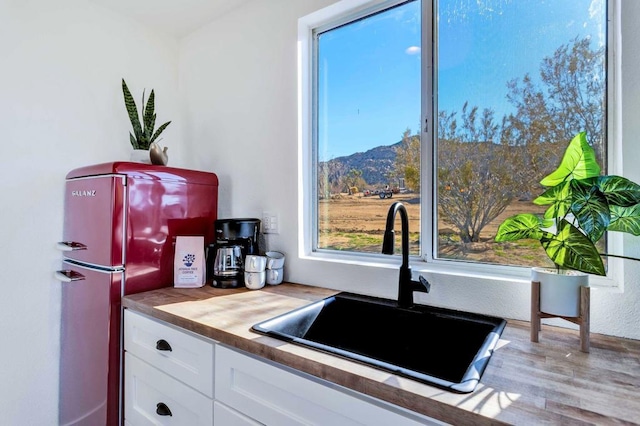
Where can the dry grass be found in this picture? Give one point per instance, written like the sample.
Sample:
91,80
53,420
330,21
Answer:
355,222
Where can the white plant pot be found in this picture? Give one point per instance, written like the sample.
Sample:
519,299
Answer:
140,156
560,292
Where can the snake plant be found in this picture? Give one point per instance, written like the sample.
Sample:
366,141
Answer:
143,133
582,206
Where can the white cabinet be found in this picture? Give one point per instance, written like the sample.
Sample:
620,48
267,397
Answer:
225,416
181,354
168,374
275,396
201,382
155,398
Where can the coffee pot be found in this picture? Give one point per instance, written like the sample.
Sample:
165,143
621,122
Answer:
235,239
227,264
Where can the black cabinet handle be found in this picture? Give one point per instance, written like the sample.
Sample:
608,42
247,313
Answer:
163,345
162,409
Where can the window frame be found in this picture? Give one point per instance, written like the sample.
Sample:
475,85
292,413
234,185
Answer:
345,11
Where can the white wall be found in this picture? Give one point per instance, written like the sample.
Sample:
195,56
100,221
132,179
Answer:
60,107
238,82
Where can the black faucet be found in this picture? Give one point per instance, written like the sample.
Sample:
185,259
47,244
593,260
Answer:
406,285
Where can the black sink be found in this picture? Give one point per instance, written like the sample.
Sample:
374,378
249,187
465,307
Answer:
442,347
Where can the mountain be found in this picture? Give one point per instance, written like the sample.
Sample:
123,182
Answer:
375,165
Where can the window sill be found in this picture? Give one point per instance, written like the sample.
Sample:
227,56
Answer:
443,268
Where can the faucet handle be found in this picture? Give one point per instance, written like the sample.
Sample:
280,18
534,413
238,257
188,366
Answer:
425,284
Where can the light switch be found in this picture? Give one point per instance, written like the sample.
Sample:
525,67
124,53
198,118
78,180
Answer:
269,223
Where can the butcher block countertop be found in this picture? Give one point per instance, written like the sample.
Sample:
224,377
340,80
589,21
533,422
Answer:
525,383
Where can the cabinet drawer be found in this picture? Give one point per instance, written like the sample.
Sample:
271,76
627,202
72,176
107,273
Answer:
175,352
275,396
225,416
154,398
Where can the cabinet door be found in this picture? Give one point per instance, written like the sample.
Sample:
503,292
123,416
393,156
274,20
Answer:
154,398
275,396
225,416
176,352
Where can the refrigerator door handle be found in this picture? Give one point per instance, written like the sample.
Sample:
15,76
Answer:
70,246
67,276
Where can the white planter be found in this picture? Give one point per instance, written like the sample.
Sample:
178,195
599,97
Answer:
140,156
560,292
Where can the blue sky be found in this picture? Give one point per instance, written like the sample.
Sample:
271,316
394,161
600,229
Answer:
369,71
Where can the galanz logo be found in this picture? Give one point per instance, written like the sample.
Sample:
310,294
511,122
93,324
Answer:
86,193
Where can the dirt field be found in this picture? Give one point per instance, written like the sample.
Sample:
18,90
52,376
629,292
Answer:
355,222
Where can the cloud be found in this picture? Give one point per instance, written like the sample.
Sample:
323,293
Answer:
412,50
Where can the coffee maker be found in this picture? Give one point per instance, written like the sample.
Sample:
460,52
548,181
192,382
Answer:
235,239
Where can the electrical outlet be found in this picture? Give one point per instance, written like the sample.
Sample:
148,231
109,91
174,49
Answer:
269,223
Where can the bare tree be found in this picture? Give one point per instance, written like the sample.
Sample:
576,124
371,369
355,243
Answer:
447,125
474,184
407,162
576,88
483,165
571,99
353,179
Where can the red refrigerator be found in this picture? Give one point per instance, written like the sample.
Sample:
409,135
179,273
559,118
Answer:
121,221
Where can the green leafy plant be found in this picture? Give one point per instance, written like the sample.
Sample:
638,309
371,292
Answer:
583,205
143,133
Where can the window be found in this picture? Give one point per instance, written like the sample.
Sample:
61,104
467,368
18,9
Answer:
457,108
368,98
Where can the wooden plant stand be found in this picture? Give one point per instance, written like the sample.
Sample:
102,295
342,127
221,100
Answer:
582,320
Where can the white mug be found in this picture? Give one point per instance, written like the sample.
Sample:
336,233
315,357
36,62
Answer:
254,280
254,263
275,260
274,276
